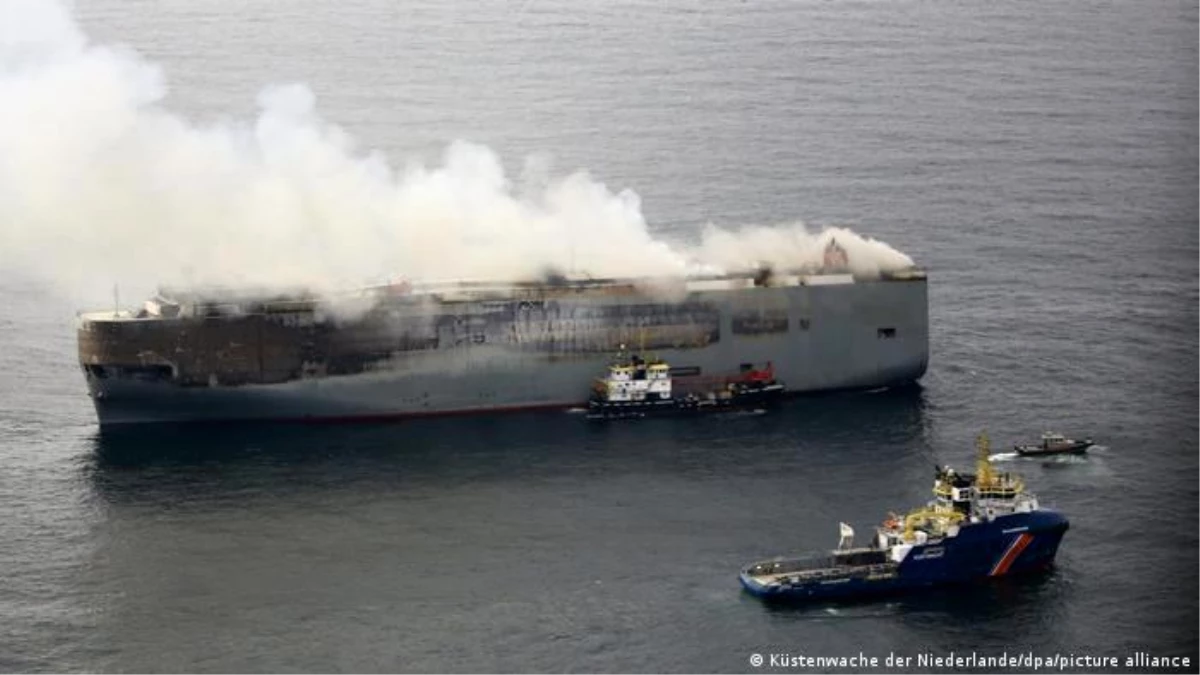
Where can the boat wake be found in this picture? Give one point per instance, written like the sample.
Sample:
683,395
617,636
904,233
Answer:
1062,459
1044,459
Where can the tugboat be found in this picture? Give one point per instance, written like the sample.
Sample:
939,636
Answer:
634,387
1055,444
978,526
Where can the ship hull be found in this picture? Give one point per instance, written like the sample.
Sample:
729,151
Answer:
740,400
1009,545
1076,448
862,335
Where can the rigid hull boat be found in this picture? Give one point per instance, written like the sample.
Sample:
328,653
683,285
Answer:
1055,444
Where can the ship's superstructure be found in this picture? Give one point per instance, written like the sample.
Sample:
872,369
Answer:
418,349
977,526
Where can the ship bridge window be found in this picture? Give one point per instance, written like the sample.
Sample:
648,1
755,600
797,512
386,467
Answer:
885,333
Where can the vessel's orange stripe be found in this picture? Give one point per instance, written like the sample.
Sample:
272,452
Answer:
1011,555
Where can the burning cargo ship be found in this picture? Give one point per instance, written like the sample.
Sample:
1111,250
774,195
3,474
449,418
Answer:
415,349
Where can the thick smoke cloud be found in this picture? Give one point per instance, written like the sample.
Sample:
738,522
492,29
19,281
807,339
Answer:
100,183
794,247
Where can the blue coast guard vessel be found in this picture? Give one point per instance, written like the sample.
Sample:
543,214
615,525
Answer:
978,525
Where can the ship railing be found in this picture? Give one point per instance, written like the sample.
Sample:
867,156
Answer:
841,571
1001,491
591,283
937,520
817,566
791,565
706,383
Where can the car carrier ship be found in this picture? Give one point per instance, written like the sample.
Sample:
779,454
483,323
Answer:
413,349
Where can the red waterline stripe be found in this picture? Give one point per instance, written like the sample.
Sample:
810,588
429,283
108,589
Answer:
353,418
1011,555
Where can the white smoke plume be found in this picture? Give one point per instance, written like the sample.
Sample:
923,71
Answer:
100,183
794,247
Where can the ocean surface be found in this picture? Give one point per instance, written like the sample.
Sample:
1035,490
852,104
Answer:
1039,159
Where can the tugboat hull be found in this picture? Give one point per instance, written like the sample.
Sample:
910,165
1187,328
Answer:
748,398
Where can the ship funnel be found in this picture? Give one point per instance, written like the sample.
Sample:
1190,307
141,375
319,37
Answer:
835,259
764,274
